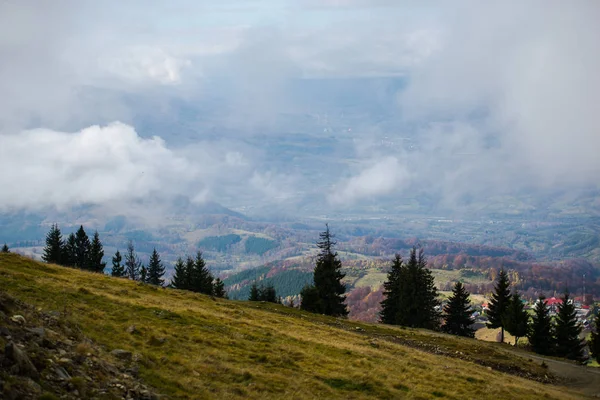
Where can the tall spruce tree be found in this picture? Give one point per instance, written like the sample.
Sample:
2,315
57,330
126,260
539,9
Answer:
499,303
595,340
391,292
5,248
82,249
541,330
254,293
268,293
219,289
515,319
133,265
328,277
201,278
567,331
310,299
156,270
458,318
118,269
429,317
417,299
70,251
96,255
143,274
53,251
180,279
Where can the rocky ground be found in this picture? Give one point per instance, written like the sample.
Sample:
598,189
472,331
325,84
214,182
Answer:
44,356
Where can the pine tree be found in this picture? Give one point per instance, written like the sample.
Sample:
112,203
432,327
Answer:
595,341
118,269
96,255
417,298
515,319
180,279
429,317
132,263
268,293
499,303
541,330
310,300
82,249
5,249
143,274
219,289
328,278
567,331
53,252
201,278
457,318
156,270
254,293
391,292
70,251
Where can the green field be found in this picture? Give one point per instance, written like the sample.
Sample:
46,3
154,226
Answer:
217,348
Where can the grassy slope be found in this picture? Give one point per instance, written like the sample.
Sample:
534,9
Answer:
226,349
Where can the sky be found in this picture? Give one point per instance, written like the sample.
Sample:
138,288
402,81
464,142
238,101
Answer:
500,97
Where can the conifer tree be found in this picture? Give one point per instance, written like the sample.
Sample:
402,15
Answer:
132,264
70,251
417,299
96,255
180,279
268,293
310,300
567,331
458,319
118,269
219,289
541,330
202,279
515,319
391,291
82,249
143,274
328,278
53,252
595,340
429,317
254,293
499,303
5,248
156,270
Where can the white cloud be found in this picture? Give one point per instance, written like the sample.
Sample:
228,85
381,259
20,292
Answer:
381,178
45,168
526,74
145,65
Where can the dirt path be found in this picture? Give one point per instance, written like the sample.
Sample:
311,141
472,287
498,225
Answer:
583,379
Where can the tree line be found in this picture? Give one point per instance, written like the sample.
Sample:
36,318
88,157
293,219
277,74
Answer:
410,299
410,294
78,251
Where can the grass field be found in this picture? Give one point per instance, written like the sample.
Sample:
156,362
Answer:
223,349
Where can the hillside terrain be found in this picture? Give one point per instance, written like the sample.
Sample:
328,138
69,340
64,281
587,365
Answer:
173,344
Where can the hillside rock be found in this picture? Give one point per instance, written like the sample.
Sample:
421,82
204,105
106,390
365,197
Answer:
43,356
18,362
122,354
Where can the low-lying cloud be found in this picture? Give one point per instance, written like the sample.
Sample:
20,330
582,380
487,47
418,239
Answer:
495,99
45,168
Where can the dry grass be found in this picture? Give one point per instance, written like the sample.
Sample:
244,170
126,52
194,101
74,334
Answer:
193,346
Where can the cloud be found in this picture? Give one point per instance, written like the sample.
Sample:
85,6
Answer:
494,99
381,178
92,166
524,75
